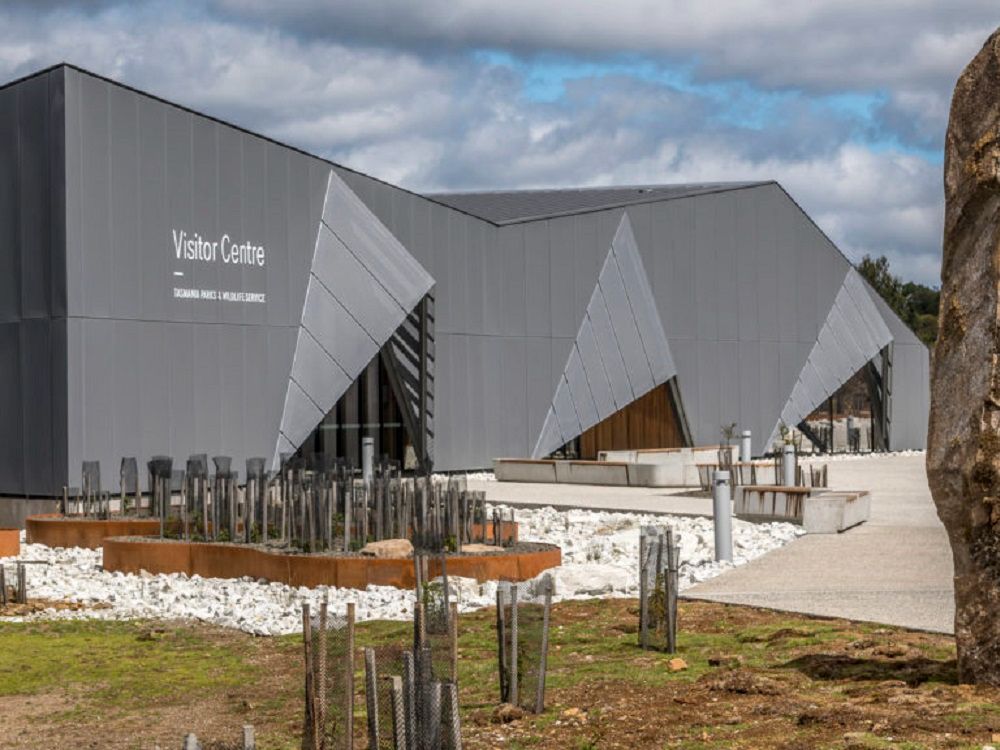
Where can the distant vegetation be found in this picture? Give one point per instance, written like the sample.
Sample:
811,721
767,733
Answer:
916,304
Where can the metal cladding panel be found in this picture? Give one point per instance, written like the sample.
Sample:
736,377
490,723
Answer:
315,371
126,266
597,377
355,287
579,389
373,284
709,414
11,406
611,356
729,382
750,396
475,276
587,260
746,263
10,282
475,404
374,245
513,403
36,371
705,280
550,437
232,385
643,307
492,405
301,415
539,387
510,248
536,282
565,411
676,291
493,286
727,246
336,331
33,337
562,284
208,396
910,388
853,317
608,365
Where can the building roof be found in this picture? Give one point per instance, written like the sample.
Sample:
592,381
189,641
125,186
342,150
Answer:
514,206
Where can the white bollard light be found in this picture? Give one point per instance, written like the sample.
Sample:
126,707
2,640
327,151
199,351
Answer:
367,459
722,516
745,446
788,465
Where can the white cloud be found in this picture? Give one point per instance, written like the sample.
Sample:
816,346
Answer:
409,106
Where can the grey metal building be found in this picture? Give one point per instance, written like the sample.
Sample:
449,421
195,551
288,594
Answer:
173,285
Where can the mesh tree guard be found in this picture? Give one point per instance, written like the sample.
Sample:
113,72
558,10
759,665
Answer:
329,698
523,613
658,582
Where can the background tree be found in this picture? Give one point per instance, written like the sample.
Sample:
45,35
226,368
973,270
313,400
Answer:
915,304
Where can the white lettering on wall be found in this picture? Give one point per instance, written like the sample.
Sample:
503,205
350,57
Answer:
195,247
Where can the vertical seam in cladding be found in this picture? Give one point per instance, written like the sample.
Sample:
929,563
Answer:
618,345
635,320
586,380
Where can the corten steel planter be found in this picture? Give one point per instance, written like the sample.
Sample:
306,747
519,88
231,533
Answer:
10,542
54,530
219,560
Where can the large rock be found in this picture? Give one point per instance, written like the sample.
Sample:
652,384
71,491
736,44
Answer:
963,455
388,548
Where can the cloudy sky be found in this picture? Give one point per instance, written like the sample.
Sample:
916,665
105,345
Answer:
845,102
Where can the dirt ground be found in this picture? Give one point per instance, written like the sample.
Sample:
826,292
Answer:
747,679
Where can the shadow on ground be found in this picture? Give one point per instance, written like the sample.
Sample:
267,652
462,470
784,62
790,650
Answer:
913,671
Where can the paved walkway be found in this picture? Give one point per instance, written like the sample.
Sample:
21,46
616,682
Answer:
896,569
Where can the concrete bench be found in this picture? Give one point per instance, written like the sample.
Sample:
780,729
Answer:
833,512
819,511
524,470
613,473
769,502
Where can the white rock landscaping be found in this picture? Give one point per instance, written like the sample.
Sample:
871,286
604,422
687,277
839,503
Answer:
600,559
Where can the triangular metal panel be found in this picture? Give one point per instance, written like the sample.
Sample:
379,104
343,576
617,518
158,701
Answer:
620,352
852,334
362,286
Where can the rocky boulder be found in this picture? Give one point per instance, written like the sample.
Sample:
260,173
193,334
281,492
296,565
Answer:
388,548
963,452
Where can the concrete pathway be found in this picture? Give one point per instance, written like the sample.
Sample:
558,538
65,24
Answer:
896,569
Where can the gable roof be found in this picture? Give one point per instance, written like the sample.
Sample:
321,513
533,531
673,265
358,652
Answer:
515,206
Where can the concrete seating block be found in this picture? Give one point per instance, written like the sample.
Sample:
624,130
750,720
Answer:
770,503
833,512
592,472
654,475
524,470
